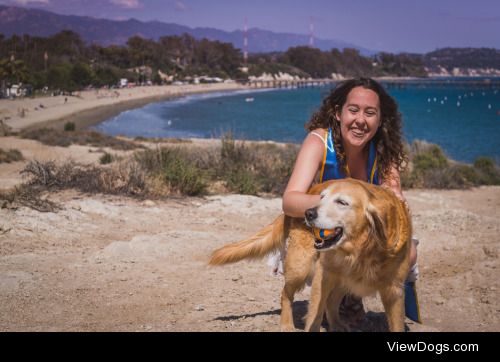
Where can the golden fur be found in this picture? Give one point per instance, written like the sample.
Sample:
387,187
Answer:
371,256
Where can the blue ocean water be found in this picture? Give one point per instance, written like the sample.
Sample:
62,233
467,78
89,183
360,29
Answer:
463,120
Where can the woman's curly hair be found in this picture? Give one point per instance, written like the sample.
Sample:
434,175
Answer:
388,139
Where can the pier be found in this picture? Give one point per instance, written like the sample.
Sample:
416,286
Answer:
488,83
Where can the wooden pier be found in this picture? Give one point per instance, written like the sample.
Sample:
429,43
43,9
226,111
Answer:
487,83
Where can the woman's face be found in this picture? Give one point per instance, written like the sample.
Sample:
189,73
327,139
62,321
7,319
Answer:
359,117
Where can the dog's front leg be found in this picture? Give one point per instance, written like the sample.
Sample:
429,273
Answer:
320,290
332,309
394,305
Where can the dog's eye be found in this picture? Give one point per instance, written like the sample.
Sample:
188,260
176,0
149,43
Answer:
341,202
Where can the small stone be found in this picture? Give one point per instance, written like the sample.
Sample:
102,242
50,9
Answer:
149,203
199,308
236,278
439,301
490,252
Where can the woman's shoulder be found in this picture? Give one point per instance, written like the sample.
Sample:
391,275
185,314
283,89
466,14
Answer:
321,132
315,141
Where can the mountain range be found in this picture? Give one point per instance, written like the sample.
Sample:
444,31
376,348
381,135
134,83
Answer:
35,22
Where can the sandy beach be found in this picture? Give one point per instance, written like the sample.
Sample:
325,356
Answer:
93,106
113,263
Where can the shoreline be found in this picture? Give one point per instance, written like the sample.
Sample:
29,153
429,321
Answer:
89,108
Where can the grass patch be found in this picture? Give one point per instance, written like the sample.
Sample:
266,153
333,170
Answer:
233,166
54,137
430,168
11,155
161,140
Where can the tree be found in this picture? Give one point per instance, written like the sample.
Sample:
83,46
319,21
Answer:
81,74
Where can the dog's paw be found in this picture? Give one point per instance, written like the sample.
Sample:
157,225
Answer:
287,328
339,326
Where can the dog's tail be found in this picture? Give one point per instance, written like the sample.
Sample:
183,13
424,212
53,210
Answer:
271,238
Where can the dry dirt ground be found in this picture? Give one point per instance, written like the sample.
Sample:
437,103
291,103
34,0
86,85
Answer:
106,263
118,264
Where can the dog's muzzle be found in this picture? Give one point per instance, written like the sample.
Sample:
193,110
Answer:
325,239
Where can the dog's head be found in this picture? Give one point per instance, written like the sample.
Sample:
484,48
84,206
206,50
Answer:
347,212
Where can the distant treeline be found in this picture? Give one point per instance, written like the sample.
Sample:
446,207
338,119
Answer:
64,61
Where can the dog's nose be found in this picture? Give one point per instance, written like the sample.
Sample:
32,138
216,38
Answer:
311,214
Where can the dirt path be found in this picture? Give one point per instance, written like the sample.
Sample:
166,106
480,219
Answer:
119,264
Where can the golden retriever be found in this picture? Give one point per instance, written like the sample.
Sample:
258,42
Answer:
368,252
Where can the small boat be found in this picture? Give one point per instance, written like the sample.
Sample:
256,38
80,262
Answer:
249,99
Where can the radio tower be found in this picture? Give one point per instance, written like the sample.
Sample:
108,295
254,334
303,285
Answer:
311,32
245,42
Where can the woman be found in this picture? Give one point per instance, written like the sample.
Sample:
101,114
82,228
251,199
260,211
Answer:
356,133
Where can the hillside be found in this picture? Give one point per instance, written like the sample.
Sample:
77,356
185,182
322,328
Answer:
35,22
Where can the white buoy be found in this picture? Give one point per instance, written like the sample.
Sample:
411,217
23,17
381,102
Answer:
442,102
458,104
489,106
428,100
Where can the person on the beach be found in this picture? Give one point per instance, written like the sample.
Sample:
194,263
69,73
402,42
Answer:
356,133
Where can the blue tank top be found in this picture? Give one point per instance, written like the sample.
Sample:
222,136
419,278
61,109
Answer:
331,169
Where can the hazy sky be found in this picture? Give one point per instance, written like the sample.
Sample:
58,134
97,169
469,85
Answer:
389,25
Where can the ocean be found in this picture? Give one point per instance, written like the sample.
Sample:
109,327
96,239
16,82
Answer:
463,119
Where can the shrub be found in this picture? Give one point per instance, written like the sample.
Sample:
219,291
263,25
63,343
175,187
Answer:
488,172
54,137
69,126
11,155
431,159
184,177
106,159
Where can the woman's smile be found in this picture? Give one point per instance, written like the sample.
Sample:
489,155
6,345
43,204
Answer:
358,133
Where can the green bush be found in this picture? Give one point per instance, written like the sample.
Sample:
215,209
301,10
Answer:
69,126
242,181
431,169
106,159
431,159
488,172
183,176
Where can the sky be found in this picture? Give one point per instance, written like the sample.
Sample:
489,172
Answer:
416,26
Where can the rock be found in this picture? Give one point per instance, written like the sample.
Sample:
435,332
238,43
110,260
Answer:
199,308
490,252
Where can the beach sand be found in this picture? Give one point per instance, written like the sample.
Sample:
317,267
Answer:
93,106
111,263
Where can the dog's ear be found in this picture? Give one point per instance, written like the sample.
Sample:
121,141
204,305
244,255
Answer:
376,224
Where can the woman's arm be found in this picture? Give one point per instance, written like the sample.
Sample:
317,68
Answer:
393,182
295,198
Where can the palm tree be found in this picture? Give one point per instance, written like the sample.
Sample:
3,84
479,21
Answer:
12,71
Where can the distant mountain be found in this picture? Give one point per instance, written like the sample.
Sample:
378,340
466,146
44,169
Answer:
35,22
